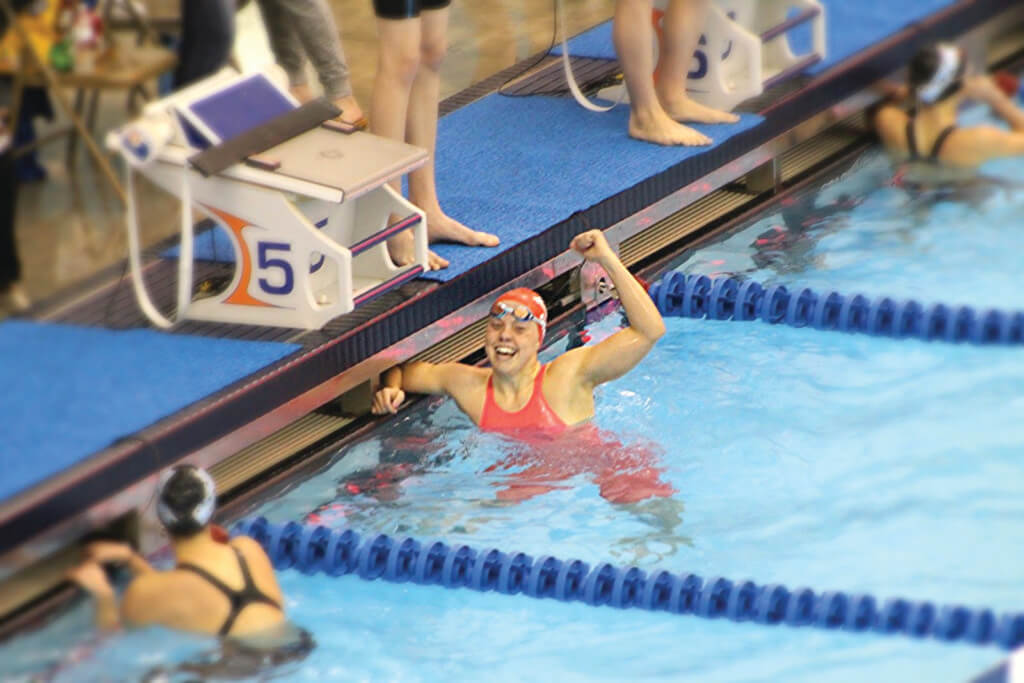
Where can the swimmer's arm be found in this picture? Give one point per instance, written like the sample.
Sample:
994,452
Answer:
108,616
890,122
989,142
644,318
611,359
620,353
107,552
984,88
420,378
91,578
1008,111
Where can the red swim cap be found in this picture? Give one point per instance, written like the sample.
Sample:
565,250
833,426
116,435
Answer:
522,298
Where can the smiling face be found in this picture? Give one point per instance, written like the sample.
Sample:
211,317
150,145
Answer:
511,345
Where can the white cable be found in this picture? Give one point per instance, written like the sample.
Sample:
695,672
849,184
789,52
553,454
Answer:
185,251
574,88
135,258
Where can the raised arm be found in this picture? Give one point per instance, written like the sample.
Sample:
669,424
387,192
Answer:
619,353
981,143
985,89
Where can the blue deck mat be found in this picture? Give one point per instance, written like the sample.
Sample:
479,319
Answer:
849,28
515,166
72,391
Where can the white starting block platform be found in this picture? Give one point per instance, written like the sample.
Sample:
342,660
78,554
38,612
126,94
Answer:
308,217
743,49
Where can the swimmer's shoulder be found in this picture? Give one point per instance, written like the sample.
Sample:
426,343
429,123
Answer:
252,552
259,563
890,122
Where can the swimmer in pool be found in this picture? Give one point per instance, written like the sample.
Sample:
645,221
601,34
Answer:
928,136
217,587
517,392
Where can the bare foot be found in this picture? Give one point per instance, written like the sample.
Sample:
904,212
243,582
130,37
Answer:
444,228
682,108
402,248
351,112
660,129
301,92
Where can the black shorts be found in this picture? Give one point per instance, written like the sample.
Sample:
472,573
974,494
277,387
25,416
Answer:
404,9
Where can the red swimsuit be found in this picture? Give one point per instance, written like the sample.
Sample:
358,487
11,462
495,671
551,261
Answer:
553,453
536,414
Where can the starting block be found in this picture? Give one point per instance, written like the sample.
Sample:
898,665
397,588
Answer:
306,202
743,49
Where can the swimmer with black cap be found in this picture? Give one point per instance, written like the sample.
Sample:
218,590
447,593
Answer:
928,133
217,586
518,392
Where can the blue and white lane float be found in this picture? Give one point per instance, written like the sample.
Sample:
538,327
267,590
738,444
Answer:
726,298
337,552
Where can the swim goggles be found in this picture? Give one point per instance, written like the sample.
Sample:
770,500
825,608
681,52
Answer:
519,312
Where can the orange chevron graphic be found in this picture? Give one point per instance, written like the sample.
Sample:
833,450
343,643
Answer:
240,295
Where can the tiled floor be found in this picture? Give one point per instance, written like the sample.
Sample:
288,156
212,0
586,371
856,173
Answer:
72,225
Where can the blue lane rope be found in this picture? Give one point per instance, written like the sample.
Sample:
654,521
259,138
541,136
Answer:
313,549
726,298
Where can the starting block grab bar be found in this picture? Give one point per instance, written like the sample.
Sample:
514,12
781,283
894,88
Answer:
308,231
743,49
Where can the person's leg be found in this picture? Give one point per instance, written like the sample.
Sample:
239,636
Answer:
314,25
681,28
633,36
286,45
398,59
207,35
12,296
421,130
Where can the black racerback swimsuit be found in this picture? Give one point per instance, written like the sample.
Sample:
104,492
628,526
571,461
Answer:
933,157
239,599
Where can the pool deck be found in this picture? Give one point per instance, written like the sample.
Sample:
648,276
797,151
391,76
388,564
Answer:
353,349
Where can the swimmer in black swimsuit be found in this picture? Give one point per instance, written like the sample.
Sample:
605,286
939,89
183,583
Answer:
938,86
218,587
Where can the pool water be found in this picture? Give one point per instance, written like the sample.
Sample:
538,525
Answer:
799,457
867,231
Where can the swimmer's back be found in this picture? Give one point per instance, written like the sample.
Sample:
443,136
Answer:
184,599
958,148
